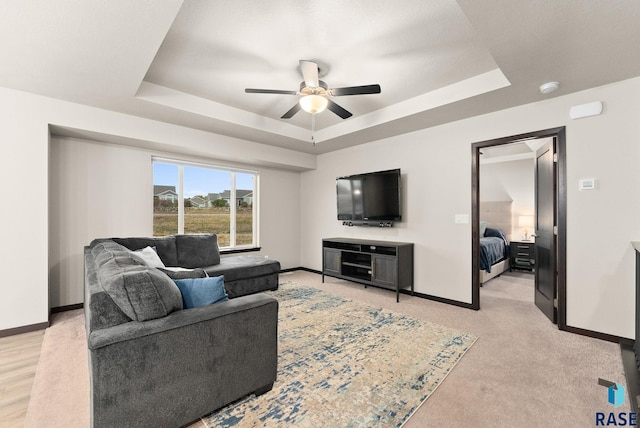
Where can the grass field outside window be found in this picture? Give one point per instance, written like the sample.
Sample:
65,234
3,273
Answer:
213,200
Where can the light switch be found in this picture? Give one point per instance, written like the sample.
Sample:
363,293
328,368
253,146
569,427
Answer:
461,219
587,184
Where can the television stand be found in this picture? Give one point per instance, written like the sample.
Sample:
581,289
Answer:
382,264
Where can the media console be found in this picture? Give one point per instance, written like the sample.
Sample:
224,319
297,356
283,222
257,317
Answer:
383,264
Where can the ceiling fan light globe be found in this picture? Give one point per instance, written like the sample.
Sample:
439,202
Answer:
313,103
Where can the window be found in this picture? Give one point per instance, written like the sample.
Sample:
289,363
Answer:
195,198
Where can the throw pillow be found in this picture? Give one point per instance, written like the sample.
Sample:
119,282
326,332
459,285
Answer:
165,246
198,292
150,257
197,250
142,293
181,273
483,228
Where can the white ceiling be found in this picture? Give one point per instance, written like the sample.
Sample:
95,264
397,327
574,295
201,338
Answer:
437,61
515,151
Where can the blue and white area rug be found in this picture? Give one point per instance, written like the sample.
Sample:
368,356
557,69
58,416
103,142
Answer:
347,364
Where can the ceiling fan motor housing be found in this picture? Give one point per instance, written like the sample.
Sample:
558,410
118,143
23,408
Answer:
321,89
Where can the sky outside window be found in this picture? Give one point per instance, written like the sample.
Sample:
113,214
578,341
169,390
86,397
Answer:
199,181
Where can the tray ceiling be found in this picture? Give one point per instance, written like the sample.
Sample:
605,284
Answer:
188,62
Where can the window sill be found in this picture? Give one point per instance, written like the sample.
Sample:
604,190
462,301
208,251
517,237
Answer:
239,250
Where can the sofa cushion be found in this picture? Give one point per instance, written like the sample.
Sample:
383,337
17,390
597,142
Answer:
198,292
197,250
165,247
99,308
124,258
128,260
142,293
98,245
109,250
183,273
243,266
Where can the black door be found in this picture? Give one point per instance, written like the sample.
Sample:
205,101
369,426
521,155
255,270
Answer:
545,221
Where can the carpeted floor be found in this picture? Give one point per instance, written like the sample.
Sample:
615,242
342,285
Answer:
346,364
60,393
522,371
510,286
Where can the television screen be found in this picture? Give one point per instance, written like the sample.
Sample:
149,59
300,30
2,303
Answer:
373,196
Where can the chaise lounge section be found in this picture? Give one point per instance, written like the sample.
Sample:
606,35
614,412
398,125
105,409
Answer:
153,363
243,274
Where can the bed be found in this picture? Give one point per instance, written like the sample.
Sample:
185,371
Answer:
495,226
494,254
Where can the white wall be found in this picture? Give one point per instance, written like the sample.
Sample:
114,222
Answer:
23,173
436,175
510,181
436,166
96,191
26,120
100,190
436,186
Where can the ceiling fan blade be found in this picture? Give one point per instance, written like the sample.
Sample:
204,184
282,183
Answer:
293,110
338,110
310,73
269,91
356,90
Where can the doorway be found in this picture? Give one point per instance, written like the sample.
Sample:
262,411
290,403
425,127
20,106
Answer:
551,291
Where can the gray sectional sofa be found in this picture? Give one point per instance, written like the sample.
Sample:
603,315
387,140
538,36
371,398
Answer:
153,363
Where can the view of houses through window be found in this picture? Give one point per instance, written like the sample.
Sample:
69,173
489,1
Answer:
191,198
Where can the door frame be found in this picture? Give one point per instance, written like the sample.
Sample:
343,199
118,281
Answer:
561,205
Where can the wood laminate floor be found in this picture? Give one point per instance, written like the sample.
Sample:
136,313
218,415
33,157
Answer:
19,357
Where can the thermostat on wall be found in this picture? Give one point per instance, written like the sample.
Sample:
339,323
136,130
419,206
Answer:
587,184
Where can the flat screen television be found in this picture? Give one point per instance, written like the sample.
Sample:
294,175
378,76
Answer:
370,197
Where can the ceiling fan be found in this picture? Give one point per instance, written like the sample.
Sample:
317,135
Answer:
316,95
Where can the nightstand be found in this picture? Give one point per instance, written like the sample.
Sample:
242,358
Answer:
522,255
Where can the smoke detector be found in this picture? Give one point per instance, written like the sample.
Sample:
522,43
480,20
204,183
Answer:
549,87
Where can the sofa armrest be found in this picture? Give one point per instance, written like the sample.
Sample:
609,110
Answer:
173,370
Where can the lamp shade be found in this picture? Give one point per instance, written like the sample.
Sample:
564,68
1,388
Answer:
525,221
313,103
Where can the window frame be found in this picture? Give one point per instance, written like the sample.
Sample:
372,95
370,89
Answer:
232,248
